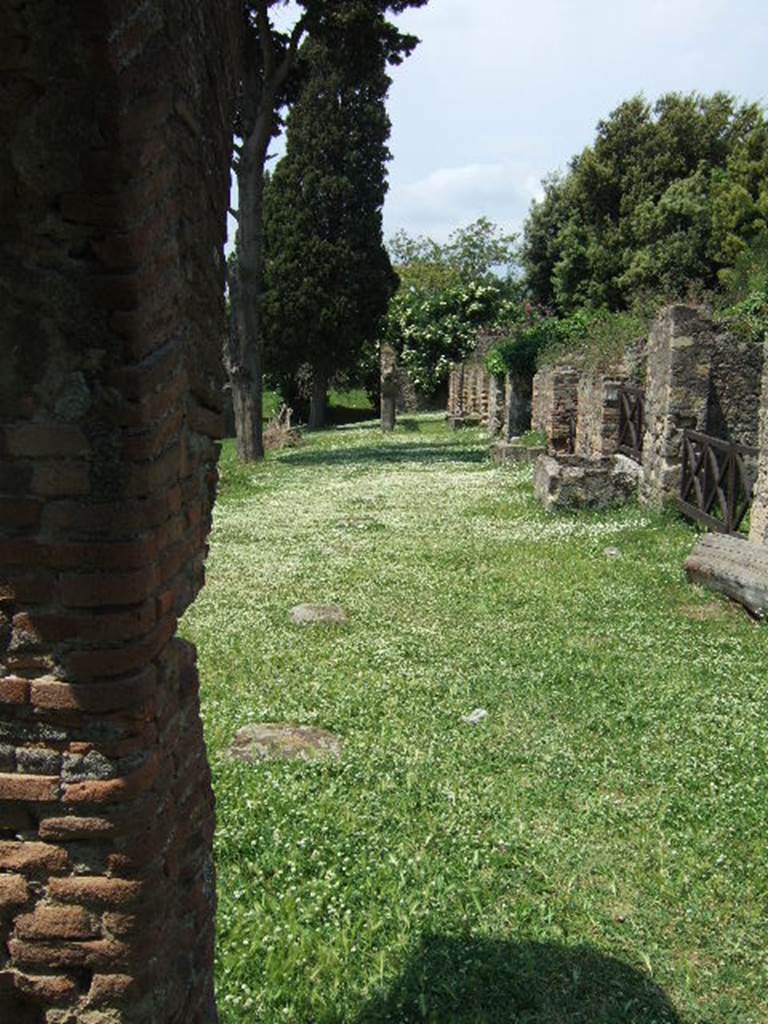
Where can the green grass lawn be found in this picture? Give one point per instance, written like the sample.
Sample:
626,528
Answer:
593,852
343,406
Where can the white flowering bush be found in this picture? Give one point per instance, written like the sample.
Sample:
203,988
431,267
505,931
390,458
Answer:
432,329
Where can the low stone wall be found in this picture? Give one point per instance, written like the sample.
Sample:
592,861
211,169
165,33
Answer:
572,482
506,453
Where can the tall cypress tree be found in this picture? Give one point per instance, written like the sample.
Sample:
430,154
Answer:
327,273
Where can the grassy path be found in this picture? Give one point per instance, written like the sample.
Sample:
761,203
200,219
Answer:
591,853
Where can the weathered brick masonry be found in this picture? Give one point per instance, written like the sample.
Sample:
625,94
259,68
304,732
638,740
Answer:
114,144
555,403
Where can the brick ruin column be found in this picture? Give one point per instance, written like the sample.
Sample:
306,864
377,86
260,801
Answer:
114,149
597,427
758,532
676,396
555,404
518,393
496,404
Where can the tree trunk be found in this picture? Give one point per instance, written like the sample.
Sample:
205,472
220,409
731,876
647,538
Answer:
318,400
265,70
388,388
246,370
243,364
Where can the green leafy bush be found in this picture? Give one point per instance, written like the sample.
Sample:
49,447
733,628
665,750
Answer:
745,303
432,330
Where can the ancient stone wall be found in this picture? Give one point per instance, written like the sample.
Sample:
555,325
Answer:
759,519
114,147
676,396
470,388
554,405
597,424
733,401
409,398
698,377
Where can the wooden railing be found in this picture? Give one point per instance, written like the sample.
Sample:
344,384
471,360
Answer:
631,421
717,481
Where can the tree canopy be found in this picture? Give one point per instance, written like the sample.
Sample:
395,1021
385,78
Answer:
667,196
270,76
480,251
450,292
328,276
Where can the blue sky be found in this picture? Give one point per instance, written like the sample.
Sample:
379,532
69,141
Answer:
500,92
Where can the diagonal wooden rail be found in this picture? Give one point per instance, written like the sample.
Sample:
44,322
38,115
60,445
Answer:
717,481
631,421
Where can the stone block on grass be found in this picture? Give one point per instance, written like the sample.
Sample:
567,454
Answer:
732,566
572,482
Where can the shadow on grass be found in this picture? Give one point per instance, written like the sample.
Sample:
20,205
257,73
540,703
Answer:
338,415
385,454
483,981
409,426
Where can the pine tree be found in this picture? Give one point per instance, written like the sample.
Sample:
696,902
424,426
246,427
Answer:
268,83
328,276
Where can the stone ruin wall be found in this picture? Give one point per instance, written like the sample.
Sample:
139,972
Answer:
696,376
733,401
554,403
114,176
699,377
758,532
470,389
597,425
474,394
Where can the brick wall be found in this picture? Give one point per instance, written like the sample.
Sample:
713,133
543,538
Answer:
473,392
114,140
555,402
597,425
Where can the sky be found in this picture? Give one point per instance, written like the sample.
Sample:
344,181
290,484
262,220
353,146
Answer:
502,92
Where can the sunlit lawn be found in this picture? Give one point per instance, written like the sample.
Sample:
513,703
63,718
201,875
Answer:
593,852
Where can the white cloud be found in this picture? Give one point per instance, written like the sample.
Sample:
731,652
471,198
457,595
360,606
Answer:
500,93
451,196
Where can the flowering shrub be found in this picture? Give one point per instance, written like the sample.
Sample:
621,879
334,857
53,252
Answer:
431,330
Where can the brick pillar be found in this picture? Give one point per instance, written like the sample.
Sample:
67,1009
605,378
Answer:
676,396
518,391
564,408
496,405
114,151
597,428
759,520
454,397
